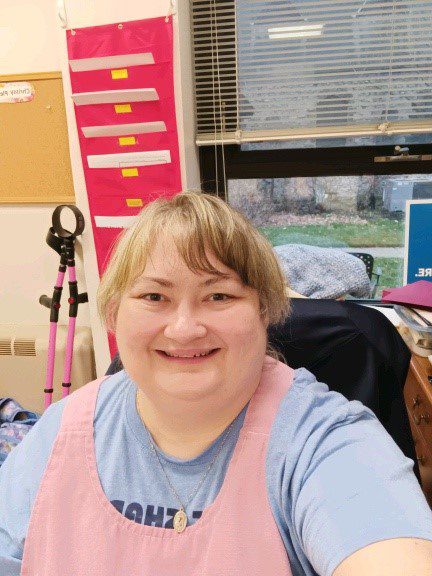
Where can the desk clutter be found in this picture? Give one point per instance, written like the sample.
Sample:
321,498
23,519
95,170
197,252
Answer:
413,305
415,327
123,93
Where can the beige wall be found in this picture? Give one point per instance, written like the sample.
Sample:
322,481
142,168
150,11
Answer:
28,267
32,40
27,39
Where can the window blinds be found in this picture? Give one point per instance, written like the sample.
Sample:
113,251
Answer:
280,70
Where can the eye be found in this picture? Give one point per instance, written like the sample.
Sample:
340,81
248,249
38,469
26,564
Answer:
219,297
152,297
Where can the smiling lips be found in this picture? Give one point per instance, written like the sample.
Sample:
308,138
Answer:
187,354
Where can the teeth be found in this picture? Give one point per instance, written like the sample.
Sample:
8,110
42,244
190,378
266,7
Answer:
194,356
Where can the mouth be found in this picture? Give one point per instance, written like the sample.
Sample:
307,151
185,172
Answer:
188,359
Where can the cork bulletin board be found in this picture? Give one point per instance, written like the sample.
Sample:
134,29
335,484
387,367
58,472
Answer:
34,147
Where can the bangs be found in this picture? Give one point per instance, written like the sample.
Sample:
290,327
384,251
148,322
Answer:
188,240
195,239
200,226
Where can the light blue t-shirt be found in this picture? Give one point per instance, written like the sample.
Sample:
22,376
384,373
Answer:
336,480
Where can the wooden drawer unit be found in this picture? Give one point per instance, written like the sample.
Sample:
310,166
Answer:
424,459
418,398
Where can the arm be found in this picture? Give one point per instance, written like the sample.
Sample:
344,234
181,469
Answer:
358,497
14,511
20,476
396,557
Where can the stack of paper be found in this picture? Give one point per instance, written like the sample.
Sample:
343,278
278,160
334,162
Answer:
413,305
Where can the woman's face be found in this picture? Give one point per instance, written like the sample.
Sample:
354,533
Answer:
191,336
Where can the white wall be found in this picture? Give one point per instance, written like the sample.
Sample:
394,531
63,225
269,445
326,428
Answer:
31,40
27,39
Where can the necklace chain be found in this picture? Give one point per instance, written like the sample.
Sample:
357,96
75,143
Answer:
204,476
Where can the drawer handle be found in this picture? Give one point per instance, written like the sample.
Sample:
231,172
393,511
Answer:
418,419
421,460
416,401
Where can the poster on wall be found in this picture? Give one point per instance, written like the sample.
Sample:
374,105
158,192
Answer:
123,93
418,241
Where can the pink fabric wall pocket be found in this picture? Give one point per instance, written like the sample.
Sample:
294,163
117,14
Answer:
123,89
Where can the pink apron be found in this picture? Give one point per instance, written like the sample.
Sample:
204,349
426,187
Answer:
74,530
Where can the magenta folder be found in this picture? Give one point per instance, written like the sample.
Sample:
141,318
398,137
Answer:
417,294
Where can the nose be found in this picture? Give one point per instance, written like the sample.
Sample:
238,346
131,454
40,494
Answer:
184,327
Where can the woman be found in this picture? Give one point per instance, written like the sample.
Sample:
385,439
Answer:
206,456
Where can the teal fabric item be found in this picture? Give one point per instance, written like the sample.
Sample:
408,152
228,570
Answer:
15,423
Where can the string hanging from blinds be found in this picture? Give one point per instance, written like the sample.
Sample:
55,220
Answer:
311,69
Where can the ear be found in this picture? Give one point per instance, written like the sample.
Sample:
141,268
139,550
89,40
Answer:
111,317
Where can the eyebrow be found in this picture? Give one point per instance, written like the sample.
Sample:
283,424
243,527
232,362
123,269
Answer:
164,282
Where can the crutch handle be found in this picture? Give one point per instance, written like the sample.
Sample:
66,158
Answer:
82,298
45,301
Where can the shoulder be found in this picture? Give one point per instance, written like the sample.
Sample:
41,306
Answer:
307,416
319,437
20,477
309,405
311,418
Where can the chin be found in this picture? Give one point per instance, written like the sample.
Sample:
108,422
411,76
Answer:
187,388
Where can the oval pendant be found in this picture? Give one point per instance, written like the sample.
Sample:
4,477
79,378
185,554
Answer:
180,521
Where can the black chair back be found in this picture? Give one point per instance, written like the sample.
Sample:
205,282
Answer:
368,260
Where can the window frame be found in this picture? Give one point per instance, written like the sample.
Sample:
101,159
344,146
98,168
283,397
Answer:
303,162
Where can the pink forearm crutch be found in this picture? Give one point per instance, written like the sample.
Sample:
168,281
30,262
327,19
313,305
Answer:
63,242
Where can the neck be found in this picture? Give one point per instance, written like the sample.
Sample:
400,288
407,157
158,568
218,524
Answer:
186,432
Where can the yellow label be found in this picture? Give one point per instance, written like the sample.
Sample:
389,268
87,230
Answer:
128,172
132,202
119,74
127,141
122,108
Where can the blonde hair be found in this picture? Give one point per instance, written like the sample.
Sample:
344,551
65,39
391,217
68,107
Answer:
196,222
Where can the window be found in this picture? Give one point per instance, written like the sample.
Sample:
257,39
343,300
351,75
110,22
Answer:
268,70
297,102
356,214
329,198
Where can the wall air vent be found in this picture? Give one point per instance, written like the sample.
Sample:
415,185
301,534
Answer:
5,347
23,362
24,347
